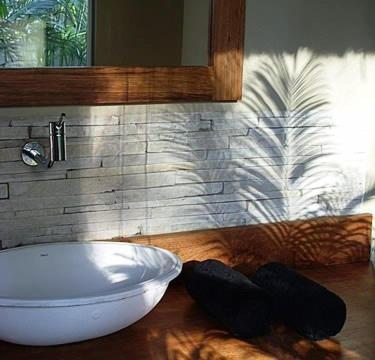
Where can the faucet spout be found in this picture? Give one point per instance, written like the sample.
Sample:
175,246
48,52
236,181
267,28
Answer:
57,131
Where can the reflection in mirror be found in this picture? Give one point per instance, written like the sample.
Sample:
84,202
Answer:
71,33
38,33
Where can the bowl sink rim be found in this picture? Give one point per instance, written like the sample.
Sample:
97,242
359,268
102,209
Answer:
161,280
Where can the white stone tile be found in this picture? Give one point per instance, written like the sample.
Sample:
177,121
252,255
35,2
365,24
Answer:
7,133
134,171
12,168
70,121
188,145
124,160
170,192
56,201
175,156
30,176
193,210
4,144
10,154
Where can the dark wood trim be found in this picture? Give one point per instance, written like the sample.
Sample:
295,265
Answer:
103,86
227,42
302,243
221,81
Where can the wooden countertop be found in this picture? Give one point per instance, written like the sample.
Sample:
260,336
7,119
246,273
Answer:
178,330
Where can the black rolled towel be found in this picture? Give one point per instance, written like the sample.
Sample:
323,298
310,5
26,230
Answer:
229,297
313,311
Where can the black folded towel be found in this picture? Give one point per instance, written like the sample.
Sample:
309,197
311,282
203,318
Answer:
313,311
229,297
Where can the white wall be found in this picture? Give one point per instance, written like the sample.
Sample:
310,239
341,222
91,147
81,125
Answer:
340,34
300,143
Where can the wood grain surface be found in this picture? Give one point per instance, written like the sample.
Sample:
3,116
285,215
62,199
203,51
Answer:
302,244
177,329
227,54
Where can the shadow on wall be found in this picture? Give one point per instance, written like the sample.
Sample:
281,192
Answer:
325,27
305,137
283,160
293,126
339,31
195,166
278,161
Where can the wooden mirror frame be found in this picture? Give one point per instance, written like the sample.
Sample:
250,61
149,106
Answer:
221,81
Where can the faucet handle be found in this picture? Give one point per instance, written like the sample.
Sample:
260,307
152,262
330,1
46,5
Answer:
33,154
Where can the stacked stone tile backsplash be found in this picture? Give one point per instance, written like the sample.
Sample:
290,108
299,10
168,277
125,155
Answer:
151,173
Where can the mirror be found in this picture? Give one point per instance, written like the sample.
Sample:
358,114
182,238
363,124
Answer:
116,33
52,54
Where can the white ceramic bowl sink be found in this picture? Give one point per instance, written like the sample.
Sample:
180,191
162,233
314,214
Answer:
67,292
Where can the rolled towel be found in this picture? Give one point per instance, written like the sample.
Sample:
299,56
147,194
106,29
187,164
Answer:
313,311
229,297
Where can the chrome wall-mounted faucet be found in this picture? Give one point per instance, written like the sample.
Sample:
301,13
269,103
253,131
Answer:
33,154
57,140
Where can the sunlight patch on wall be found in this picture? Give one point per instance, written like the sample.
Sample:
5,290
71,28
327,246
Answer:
321,100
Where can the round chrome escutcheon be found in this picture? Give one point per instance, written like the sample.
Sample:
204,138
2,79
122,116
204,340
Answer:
32,148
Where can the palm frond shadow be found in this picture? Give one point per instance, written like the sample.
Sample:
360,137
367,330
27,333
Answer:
283,168
182,344
298,136
292,101
289,135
